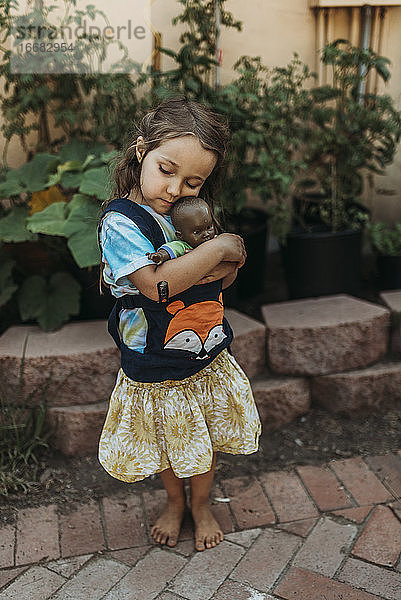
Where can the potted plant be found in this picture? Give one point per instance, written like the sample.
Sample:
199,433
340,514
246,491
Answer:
346,133
386,242
262,107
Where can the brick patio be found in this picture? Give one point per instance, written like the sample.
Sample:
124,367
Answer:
312,533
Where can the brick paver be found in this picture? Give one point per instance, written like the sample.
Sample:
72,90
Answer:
248,503
325,547
357,514
221,510
371,578
8,575
289,499
129,556
232,590
68,566
124,522
7,543
324,488
37,583
388,469
148,577
244,538
380,541
360,481
266,559
206,571
92,581
299,583
37,535
283,540
81,530
301,528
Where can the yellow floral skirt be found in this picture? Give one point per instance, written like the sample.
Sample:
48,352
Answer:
150,427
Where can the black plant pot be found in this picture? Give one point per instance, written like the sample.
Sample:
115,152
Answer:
251,225
389,270
93,304
321,262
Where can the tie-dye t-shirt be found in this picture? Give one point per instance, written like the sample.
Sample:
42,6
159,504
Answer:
124,249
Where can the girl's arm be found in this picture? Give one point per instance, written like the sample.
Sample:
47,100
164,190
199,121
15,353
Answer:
223,270
229,279
186,271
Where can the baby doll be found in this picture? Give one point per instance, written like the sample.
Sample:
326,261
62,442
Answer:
193,223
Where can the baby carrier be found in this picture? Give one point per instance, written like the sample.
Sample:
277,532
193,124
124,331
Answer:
184,334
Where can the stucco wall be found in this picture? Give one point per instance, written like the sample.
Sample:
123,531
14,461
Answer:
274,29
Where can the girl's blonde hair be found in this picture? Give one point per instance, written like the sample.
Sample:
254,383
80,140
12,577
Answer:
175,117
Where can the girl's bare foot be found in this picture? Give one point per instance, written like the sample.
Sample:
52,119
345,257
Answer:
207,531
167,527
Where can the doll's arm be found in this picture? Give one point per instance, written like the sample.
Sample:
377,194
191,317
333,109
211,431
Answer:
186,271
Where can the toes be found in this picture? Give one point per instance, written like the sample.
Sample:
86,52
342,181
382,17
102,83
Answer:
199,545
172,541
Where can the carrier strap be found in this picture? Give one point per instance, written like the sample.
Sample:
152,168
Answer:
150,229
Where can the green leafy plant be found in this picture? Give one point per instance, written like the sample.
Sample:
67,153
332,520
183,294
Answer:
346,134
55,205
23,436
196,58
263,107
385,239
56,105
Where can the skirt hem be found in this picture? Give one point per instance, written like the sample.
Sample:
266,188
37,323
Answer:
129,479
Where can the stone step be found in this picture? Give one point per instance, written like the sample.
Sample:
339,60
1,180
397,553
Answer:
75,365
78,363
76,429
393,301
325,335
348,392
249,344
280,399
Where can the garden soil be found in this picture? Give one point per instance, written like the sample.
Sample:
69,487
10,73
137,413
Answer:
313,439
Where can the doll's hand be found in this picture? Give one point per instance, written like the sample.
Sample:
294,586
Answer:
158,257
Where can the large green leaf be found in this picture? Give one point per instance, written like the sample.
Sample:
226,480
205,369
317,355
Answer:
71,179
81,230
78,150
11,186
7,285
96,182
76,220
51,302
13,226
34,174
70,165
51,220
29,177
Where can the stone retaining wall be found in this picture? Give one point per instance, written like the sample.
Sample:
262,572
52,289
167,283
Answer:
335,350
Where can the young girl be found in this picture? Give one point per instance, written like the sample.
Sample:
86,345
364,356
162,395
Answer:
180,396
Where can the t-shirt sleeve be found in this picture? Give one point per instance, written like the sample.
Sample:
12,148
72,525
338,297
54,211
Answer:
175,248
124,246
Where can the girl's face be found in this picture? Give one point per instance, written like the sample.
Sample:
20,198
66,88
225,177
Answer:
178,167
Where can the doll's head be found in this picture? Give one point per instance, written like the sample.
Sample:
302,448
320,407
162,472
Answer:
193,220
173,118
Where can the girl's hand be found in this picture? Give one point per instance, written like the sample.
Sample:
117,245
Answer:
233,247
